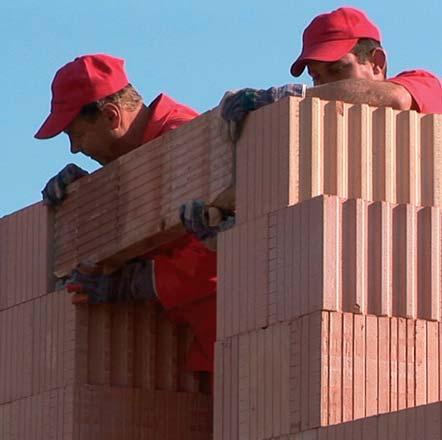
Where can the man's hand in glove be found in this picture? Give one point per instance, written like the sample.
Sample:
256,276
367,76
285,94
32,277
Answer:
55,190
133,282
205,221
235,106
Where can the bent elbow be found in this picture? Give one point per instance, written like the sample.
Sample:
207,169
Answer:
402,100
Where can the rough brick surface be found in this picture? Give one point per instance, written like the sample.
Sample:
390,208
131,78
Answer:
322,369
420,423
39,356
330,253
297,149
82,412
49,345
25,255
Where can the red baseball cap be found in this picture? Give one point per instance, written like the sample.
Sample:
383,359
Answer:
331,36
80,82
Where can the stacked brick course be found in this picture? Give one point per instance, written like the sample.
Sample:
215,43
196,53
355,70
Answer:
329,302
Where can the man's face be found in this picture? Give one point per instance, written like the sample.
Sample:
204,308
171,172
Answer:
92,138
345,68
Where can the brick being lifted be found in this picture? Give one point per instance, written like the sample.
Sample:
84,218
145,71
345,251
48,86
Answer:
132,205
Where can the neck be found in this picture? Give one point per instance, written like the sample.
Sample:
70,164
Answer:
136,122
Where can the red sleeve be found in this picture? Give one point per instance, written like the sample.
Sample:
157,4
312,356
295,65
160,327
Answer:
424,87
185,271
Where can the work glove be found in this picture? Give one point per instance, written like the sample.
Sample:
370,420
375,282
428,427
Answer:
133,282
55,190
205,221
235,106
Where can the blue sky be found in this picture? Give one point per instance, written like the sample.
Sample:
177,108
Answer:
192,50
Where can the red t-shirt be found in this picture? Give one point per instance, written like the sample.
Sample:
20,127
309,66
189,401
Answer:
166,114
185,270
424,87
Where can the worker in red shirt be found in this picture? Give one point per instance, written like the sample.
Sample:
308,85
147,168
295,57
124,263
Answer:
104,117
343,55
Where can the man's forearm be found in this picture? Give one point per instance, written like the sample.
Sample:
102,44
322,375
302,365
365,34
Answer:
363,91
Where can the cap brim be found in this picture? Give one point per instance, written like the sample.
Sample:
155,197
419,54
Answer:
328,51
55,123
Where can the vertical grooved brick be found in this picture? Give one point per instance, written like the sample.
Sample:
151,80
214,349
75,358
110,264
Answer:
347,367
371,367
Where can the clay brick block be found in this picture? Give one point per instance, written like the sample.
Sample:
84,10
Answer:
25,255
83,412
270,382
432,361
36,349
218,404
327,369
329,253
243,286
385,427
371,366
99,344
297,149
132,205
131,345
122,350
166,355
145,346
187,381
348,378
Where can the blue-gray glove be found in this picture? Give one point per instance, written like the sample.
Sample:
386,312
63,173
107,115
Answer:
235,106
55,190
133,282
205,221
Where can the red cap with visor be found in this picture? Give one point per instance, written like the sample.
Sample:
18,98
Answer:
331,36
80,82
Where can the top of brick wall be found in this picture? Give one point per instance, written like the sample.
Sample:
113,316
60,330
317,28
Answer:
297,149
290,151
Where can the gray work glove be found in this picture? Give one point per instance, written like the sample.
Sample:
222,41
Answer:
133,282
205,221
235,106
55,190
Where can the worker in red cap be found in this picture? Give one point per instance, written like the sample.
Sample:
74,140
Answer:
104,117
343,55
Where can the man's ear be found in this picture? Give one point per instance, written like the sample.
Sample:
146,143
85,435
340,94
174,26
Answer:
379,61
112,114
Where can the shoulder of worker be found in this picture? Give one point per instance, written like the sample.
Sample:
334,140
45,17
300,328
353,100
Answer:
163,105
167,114
425,88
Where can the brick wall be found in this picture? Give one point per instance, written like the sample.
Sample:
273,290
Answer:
329,307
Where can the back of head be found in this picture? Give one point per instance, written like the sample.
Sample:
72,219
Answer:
332,35
84,80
